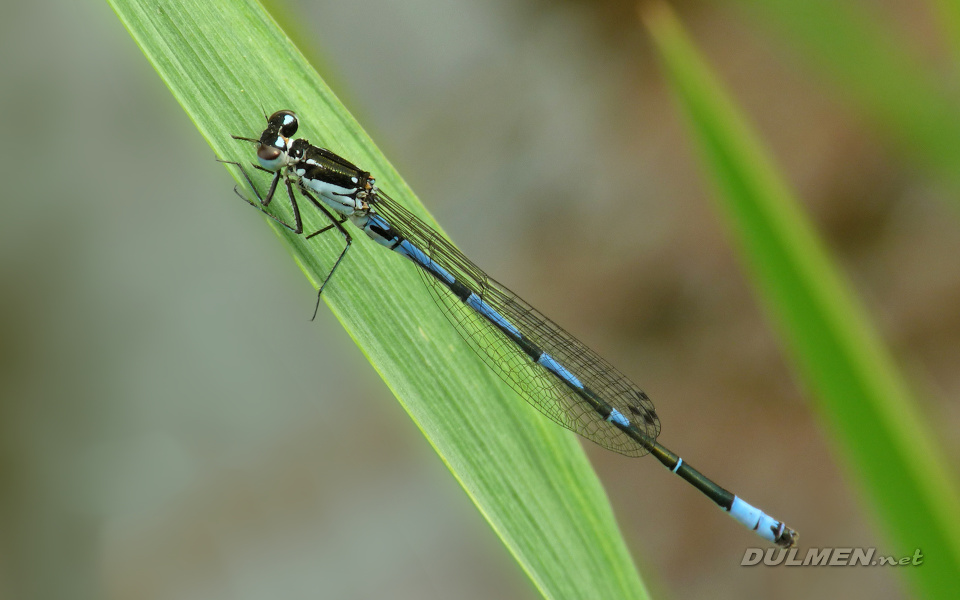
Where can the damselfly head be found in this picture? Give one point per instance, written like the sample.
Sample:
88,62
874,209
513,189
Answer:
274,142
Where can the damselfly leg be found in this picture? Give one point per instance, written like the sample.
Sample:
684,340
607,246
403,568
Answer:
263,201
334,223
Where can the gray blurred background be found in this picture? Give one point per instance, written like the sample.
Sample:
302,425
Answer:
161,437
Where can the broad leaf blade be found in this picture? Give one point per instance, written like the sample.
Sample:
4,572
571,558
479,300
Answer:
530,479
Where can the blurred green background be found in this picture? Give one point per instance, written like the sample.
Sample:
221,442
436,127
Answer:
162,438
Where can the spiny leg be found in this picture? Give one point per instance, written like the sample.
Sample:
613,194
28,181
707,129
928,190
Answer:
253,186
333,223
264,201
298,228
327,228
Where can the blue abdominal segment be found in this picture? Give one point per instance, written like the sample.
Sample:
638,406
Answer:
617,417
550,364
418,256
474,302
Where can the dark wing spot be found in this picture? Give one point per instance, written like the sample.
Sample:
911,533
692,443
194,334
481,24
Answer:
649,414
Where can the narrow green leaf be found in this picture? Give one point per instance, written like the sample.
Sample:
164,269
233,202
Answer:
880,435
871,67
223,61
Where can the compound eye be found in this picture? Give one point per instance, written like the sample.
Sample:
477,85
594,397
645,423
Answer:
268,153
270,157
285,121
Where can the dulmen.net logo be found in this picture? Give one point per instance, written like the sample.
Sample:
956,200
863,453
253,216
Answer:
827,557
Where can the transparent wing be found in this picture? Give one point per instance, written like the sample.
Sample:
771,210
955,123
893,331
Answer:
534,383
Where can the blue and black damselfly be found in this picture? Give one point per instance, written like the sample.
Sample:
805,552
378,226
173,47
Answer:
547,366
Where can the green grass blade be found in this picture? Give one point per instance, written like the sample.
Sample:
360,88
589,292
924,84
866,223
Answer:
878,432
530,479
868,64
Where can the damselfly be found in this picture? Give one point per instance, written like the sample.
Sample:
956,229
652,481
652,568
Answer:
547,366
